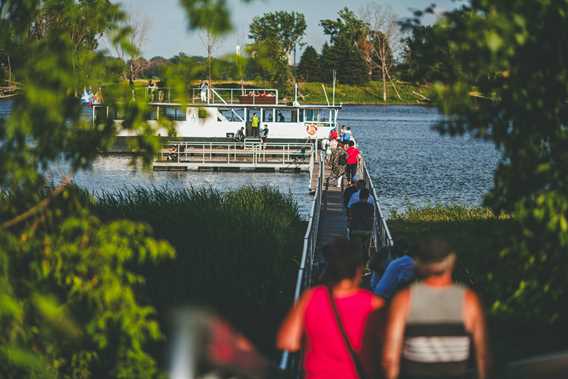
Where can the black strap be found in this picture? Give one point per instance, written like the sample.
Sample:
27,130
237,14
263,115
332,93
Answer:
354,357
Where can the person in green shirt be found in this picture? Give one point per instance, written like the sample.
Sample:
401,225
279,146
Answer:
254,123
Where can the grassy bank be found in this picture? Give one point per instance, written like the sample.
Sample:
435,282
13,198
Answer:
479,238
370,93
236,252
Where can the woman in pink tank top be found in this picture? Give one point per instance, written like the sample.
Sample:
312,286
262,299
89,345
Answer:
312,322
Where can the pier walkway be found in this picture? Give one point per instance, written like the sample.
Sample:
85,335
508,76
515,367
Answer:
328,219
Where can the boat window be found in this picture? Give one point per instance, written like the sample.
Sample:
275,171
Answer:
233,114
286,115
267,115
324,115
173,113
152,114
312,115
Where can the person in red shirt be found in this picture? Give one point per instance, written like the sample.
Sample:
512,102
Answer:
312,321
353,158
333,135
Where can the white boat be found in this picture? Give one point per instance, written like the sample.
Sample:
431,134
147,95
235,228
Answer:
227,110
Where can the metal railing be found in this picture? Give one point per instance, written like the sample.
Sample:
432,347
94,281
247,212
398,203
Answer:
381,238
228,153
304,277
260,96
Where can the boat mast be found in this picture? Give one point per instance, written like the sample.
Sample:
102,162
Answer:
334,81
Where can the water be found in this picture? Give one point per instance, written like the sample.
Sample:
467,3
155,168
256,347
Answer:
411,164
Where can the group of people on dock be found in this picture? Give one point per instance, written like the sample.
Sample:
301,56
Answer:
343,155
373,317
415,322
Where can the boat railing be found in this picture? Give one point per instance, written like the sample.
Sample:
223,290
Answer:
228,153
158,94
381,238
231,96
290,361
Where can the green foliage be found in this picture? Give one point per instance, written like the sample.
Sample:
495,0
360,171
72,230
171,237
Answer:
269,62
426,57
286,27
343,54
509,55
309,68
69,290
70,284
236,251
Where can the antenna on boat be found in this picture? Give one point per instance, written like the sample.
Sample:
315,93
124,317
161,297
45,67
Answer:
325,93
333,94
295,92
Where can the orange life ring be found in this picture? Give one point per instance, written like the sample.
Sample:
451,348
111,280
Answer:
312,129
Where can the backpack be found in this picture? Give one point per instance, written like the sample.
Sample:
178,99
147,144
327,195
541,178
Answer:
342,159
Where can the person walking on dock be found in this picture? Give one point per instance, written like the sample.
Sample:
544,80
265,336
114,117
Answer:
360,221
353,159
433,325
331,319
254,124
399,273
355,196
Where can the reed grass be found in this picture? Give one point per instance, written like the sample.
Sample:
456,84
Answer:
237,252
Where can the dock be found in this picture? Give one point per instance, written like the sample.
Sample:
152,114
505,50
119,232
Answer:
328,220
248,155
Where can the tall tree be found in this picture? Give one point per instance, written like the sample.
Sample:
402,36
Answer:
345,34
426,55
130,54
210,39
269,62
309,68
511,87
69,300
287,27
382,40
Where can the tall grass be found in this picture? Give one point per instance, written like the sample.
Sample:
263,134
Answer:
237,252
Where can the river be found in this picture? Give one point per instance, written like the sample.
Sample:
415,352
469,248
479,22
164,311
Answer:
411,164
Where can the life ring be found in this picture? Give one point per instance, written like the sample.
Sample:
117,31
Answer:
312,129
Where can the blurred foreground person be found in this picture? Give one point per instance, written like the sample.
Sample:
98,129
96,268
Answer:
205,346
435,326
331,318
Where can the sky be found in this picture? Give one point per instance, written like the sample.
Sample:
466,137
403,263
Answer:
167,33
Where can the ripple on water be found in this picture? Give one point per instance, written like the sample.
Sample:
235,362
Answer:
410,163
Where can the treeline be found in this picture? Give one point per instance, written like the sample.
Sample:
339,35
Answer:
373,44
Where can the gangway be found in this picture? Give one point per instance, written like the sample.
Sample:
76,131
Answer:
328,220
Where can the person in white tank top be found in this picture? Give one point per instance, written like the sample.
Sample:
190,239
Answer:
435,325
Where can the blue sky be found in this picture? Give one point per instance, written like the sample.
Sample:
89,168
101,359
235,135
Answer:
167,32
